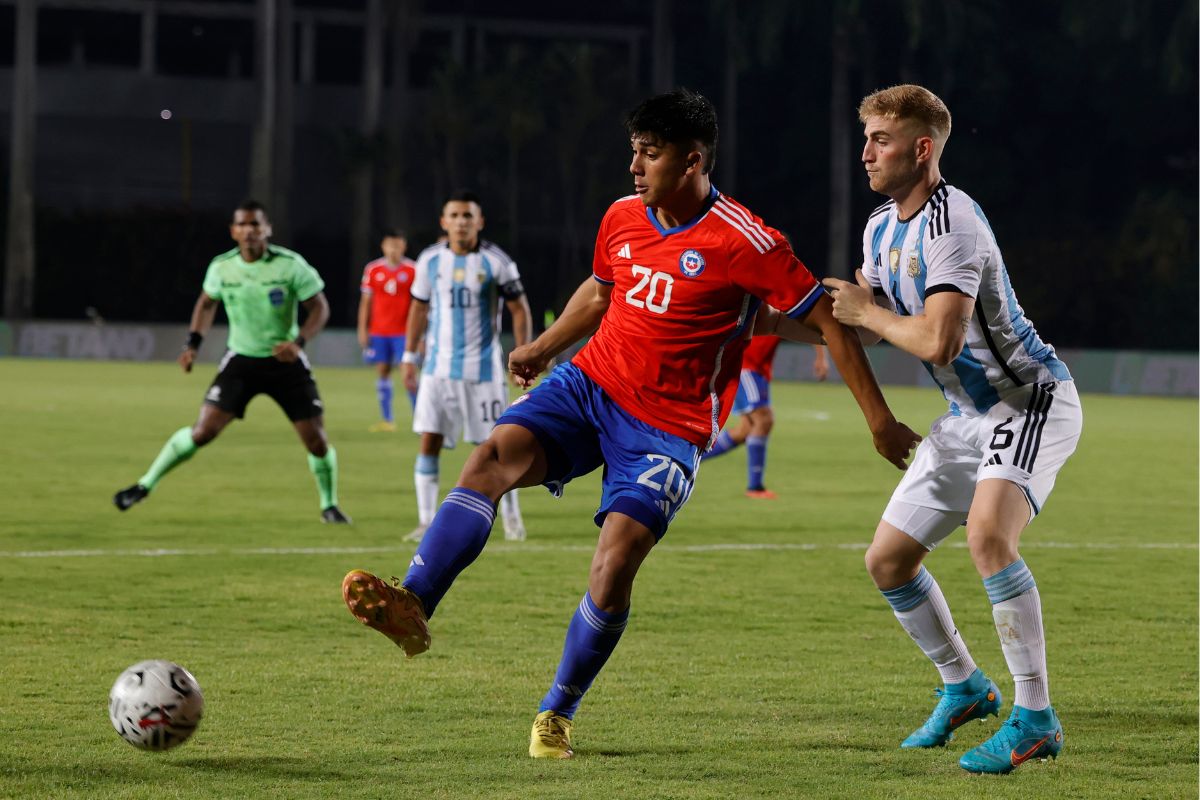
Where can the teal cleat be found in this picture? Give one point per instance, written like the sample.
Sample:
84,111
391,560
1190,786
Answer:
1024,735
952,711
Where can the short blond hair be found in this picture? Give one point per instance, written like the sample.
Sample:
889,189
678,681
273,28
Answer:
908,102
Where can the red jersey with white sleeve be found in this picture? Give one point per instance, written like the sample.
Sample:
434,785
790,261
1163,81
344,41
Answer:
760,355
669,347
389,289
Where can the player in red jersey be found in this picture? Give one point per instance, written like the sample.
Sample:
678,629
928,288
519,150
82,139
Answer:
681,274
753,404
383,317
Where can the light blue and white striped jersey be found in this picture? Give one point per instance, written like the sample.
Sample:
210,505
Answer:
949,246
462,340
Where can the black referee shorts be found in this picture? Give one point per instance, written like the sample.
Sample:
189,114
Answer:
240,378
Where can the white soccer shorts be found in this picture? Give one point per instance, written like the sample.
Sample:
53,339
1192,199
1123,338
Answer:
1025,438
454,408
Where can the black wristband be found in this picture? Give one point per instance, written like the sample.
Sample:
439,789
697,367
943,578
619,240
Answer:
300,341
195,338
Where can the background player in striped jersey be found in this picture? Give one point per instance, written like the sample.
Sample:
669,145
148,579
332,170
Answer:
932,262
383,317
461,393
260,285
678,277
753,405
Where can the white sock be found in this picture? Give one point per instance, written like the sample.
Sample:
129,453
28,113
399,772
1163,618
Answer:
425,479
509,507
932,628
1019,623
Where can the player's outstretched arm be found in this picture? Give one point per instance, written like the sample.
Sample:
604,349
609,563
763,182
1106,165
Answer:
203,314
936,335
364,320
893,440
580,318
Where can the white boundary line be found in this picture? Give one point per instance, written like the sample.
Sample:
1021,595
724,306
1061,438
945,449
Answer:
537,548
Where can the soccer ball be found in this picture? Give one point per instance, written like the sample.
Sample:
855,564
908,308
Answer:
155,705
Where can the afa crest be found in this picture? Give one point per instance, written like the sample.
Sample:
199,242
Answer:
894,259
914,266
691,263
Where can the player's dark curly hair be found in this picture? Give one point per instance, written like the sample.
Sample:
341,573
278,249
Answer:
678,117
462,196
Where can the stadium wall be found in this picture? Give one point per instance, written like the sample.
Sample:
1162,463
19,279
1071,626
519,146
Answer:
1126,372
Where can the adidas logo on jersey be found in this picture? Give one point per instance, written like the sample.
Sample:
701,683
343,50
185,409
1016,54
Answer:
624,252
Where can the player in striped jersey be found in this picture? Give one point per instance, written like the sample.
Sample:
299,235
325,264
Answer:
681,275
753,405
456,295
942,293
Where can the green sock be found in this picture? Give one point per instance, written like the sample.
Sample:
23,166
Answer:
179,448
325,471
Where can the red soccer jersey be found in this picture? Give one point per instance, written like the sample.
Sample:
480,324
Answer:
760,355
389,289
669,348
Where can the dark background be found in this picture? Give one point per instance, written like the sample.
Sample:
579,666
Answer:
1075,128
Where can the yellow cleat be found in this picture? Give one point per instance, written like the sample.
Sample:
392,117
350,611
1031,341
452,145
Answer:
551,736
383,426
395,612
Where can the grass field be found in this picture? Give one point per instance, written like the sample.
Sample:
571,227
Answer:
759,660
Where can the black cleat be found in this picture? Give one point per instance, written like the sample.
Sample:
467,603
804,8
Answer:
127,497
334,514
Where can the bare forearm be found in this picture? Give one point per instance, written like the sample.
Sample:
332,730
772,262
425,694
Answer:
203,314
773,322
847,353
317,314
580,318
418,317
928,338
522,320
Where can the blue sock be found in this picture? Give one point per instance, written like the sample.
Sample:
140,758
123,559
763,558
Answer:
591,637
724,444
1009,582
455,538
383,388
756,461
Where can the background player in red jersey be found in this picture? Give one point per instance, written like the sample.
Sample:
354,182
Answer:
753,405
680,275
383,315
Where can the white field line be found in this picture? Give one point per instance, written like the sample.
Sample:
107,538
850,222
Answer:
541,548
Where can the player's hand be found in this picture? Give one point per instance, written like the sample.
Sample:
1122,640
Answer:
186,359
851,301
363,341
895,442
287,352
525,363
410,377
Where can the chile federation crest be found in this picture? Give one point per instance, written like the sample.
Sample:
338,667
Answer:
691,263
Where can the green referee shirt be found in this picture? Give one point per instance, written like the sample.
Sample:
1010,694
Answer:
261,296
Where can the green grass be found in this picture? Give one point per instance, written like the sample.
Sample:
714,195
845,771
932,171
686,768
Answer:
774,672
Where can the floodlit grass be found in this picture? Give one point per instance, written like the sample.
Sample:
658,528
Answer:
745,672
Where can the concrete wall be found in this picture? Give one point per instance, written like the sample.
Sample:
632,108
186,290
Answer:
1104,371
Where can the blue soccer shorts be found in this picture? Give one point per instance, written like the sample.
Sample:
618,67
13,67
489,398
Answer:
754,392
384,350
648,473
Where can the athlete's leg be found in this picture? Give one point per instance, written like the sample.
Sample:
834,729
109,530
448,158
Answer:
425,480
894,561
322,462
511,457
179,447
383,391
998,515
761,421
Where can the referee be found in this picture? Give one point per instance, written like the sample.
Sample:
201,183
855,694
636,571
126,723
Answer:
260,284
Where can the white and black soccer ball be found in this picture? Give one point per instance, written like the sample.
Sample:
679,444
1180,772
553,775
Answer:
155,705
